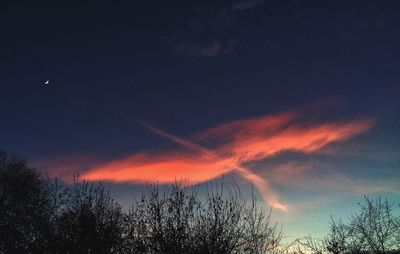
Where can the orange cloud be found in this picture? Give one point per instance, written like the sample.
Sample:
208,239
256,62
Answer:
226,148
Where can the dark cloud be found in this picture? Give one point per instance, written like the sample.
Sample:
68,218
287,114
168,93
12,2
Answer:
246,4
197,48
359,21
208,31
260,27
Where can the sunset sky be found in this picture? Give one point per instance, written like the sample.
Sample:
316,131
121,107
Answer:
301,98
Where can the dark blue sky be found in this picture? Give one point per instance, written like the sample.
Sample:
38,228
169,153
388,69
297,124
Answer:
186,66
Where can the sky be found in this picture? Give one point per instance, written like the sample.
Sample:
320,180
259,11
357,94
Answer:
298,97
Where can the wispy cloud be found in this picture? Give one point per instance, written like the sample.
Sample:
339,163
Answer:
205,48
209,29
226,149
317,175
246,4
65,166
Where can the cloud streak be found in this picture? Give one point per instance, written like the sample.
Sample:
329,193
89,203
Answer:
226,149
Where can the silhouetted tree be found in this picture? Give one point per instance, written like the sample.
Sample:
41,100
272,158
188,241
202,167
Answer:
162,223
25,208
342,239
260,234
337,241
309,245
41,216
220,225
377,226
375,229
89,221
177,221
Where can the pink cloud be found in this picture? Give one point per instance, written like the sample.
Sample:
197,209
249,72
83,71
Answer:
230,146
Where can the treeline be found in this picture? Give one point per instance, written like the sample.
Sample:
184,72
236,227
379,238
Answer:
42,216
39,215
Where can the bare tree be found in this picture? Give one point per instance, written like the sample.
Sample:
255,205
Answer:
375,229
342,239
260,234
309,245
220,221
376,225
